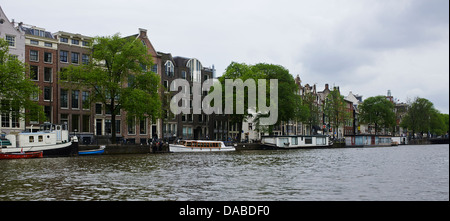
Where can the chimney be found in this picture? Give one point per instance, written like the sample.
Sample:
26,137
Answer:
326,87
297,80
143,32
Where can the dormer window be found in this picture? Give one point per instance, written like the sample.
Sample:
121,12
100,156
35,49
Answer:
169,68
196,69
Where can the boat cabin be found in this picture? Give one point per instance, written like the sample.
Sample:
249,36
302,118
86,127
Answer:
201,144
49,134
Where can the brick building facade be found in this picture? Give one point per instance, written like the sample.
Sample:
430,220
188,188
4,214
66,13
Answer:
42,62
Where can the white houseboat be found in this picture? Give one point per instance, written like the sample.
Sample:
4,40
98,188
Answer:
295,141
368,140
52,140
200,146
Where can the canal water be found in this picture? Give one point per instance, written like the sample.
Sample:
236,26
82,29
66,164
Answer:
384,173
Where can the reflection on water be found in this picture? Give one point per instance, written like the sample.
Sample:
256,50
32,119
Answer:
388,173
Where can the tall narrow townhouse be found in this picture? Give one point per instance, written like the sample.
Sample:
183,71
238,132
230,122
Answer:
143,130
74,107
41,58
16,40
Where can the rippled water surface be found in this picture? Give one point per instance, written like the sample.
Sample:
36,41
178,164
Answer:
385,173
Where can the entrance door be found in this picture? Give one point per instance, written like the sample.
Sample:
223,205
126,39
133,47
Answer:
98,125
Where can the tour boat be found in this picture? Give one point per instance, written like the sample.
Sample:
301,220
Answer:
200,146
24,155
51,139
295,141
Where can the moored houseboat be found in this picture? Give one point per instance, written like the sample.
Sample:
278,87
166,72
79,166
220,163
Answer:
295,141
368,140
200,146
51,139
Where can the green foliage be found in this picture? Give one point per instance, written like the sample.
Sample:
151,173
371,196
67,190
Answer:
16,87
379,111
119,77
313,119
335,109
290,105
423,117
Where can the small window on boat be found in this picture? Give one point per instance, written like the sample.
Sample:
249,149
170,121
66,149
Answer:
188,144
216,144
40,138
31,139
308,140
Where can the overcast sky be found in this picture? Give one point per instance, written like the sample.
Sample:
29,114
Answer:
363,46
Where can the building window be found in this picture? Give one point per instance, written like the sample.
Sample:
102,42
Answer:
143,126
64,40
75,57
34,73
85,100
75,42
15,118
64,119
75,122
47,74
85,59
5,119
34,42
34,55
64,99
63,56
75,95
131,126
11,40
48,113
155,68
48,57
48,44
169,68
85,43
98,108
47,93
86,123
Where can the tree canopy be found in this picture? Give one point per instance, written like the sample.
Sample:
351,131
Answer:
378,111
16,88
290,105
423,117
335,109
119,77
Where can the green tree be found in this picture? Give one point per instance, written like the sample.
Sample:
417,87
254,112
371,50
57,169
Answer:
16,87
335,109
119,76
290,106
423,117
378,111
237,71
309,100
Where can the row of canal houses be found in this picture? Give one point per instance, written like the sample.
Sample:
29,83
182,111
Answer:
47,54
